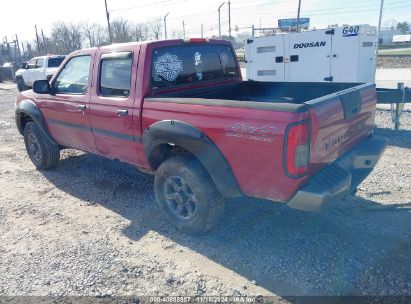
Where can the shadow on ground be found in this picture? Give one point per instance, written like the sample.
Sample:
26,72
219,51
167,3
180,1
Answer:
399,138
352,247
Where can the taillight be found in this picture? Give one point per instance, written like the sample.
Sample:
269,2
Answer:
297,148
196,40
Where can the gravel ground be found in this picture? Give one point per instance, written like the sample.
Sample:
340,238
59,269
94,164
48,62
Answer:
91,227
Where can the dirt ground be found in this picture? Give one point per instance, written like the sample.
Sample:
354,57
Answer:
91,227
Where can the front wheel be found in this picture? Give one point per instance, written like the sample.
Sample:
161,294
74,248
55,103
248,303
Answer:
43,153
187,195
21,86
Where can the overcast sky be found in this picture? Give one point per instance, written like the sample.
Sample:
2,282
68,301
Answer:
19,17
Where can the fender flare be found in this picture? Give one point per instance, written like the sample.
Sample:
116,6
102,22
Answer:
28,107
197,143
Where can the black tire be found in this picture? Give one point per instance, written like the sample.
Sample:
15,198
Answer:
42,152
21,86
197,189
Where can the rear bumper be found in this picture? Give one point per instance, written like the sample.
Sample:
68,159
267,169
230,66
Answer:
341,177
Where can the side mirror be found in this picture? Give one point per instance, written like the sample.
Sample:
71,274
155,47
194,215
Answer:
41,87
24,65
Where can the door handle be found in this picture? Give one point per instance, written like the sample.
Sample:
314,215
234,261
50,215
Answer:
122,112
81,107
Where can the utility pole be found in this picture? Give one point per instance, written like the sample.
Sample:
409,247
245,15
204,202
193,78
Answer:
165,26
38,41
18,48
184,30
89,36
108,23
229,19
44,42
202,31
219,20
298,14
377,43
22,47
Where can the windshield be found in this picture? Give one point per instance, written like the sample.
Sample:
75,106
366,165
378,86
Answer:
189,64
55,61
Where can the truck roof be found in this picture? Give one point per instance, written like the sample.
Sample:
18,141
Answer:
155,43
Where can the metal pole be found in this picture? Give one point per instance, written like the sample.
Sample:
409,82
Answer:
377,43
252,30
184,30
38,41
89,36
400,86
202,31
229,19
18,48
298,14
22,47
108,23
44,42
165,26
219,20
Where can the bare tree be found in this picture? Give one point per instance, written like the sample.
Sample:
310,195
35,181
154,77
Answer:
141,32
156,26
121,31
177,34
65,37
390,24
94,34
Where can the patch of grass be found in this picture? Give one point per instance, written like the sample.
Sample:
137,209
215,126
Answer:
405,51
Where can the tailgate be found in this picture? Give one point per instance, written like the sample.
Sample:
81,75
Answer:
339,121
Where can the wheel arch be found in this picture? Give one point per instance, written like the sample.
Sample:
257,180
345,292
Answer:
27,111
163,136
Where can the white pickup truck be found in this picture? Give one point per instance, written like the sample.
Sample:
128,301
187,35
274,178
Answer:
38,68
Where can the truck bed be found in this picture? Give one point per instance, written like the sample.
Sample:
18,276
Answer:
272,92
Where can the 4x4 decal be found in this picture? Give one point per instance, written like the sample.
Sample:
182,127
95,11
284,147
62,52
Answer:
240,130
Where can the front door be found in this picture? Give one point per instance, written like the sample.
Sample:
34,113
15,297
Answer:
67,109
112,119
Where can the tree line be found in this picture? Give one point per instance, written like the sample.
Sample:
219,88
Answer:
66,37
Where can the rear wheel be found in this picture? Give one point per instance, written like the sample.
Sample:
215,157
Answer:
187,195
42,152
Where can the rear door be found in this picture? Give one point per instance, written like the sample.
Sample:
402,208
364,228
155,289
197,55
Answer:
310,56
265,58
339,121
111,109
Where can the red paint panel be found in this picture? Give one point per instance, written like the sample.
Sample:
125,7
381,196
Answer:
257,164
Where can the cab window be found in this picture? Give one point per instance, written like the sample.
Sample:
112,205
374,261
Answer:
115,74
73,78
39,63
31,64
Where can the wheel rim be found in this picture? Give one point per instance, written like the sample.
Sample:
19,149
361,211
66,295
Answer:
180,199
34,147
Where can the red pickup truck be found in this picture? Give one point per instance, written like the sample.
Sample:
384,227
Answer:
179,109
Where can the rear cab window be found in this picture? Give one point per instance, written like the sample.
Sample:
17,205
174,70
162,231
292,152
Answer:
191,64
55,62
